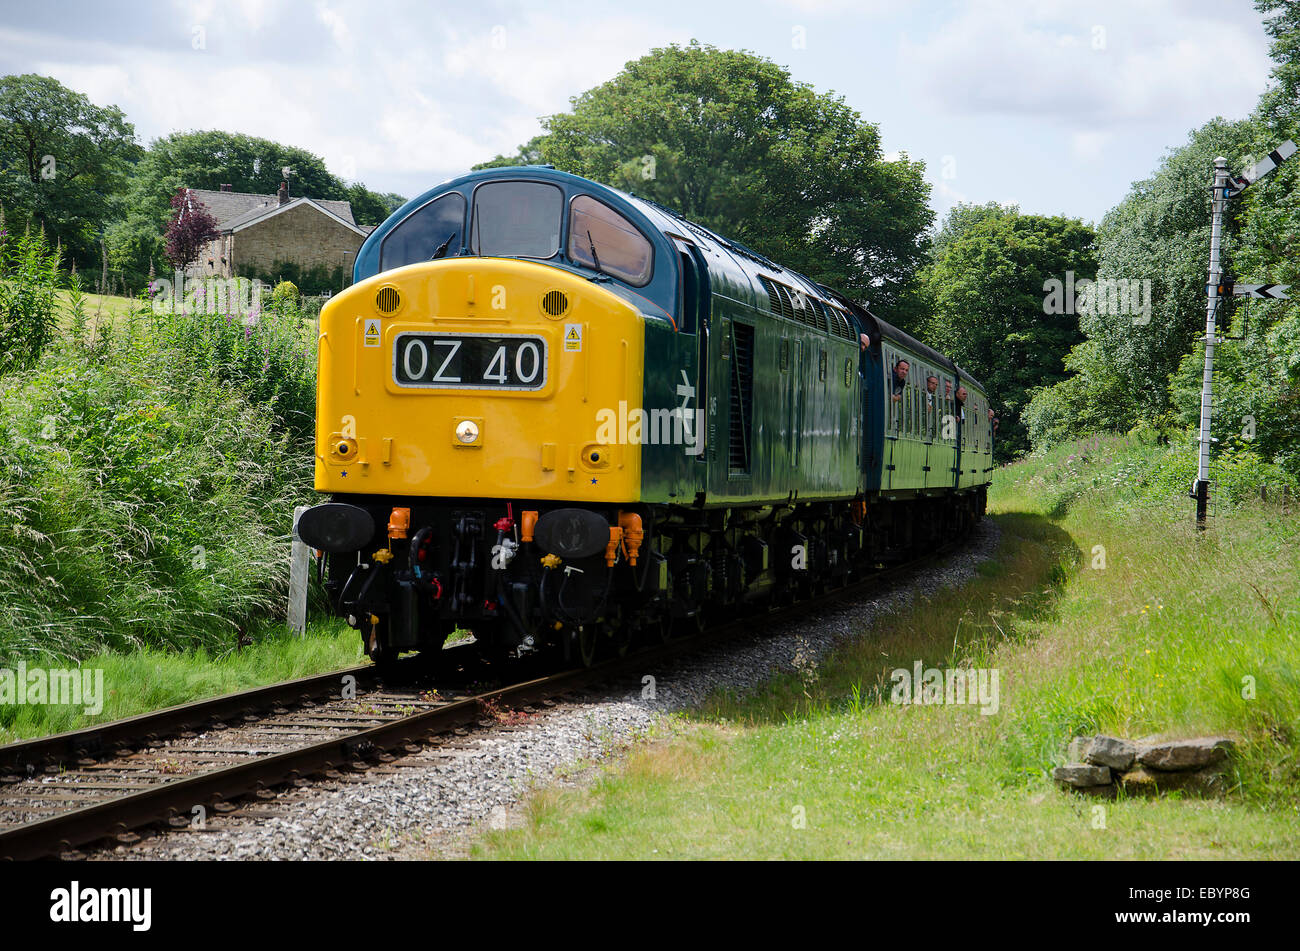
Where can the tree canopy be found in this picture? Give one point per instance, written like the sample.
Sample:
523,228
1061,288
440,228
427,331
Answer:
728,139
1149,375
986,290
63,161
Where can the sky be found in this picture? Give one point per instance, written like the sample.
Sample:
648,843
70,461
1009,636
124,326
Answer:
1057,106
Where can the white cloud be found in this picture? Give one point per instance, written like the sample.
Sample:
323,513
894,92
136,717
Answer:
338,27
1099,61
372,103
540,61
1089,144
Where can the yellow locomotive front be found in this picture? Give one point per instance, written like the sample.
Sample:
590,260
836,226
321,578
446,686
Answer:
476,377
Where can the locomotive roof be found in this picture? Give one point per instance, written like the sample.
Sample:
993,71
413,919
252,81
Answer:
746,265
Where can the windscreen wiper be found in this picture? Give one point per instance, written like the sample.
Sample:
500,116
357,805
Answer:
442,248
594,256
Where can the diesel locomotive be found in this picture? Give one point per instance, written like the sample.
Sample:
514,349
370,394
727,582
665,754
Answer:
562,417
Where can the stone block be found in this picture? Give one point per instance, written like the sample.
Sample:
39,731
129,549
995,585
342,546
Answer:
1080,775
1111,751
1078,749
1150,782
1180,755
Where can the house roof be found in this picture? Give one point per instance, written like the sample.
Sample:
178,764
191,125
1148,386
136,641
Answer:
256,215
225,207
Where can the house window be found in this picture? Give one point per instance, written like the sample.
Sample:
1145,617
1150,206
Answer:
423,232
623,250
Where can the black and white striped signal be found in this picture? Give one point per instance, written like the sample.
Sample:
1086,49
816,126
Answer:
1263,167
1217,286
1261,291
1265,291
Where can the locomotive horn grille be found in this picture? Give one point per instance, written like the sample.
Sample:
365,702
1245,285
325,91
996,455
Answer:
388,300
555,303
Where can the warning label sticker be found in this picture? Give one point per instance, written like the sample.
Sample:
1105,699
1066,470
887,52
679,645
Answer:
372,333
573,338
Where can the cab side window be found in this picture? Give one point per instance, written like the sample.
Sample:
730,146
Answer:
599,233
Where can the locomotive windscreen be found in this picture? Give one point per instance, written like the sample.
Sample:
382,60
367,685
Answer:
423,232
516,219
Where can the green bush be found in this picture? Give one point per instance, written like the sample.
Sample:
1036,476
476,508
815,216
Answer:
317,279
286,296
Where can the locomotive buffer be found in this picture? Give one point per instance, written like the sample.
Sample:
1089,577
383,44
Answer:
1226,186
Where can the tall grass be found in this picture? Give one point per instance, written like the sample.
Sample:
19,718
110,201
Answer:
148,477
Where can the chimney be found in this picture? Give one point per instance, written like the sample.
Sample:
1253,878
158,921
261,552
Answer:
225,188
283,194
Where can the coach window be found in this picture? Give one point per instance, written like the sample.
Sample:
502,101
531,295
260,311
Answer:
602,239
424,232
516,219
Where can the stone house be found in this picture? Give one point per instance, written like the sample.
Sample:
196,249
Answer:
261,232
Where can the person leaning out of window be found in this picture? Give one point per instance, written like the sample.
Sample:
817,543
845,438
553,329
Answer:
901,369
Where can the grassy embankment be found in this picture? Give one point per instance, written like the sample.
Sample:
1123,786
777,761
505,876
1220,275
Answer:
1167,638
147,483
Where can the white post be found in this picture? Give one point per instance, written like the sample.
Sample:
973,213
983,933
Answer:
298,562
1201,490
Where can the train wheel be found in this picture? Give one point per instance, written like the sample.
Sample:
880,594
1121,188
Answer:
385,660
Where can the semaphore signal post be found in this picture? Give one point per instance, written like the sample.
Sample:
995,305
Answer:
1225,186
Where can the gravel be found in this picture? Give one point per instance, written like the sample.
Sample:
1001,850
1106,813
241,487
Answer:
435,803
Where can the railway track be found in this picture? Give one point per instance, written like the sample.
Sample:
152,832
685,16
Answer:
169,768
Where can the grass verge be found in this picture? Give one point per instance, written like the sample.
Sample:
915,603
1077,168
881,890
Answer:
151,679
1103,610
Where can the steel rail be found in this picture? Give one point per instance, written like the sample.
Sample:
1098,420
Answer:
65,831
105,737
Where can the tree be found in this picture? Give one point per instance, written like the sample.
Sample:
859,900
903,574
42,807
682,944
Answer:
990,311
63,161
245,162
1279,104
729,140
1149,373
1160,233
371,208
191,228
962,218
